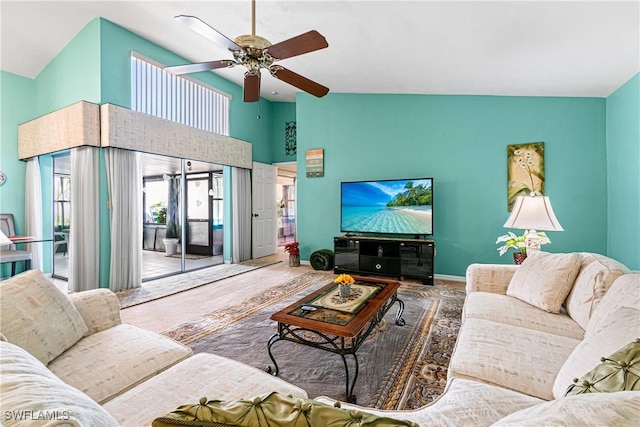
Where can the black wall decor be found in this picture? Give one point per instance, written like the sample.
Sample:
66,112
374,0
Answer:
290,139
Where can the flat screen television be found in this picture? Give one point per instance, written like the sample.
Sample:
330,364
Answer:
392,206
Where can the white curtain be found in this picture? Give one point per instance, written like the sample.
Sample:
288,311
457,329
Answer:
33,210
124,174
241,185
84,234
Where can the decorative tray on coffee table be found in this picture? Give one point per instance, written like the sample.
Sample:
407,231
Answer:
360,294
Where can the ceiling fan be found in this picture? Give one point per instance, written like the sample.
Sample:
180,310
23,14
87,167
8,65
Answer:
254,53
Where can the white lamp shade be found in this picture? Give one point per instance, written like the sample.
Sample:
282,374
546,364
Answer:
533,212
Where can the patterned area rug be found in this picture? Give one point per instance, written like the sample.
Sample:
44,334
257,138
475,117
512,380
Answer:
399,367
161,288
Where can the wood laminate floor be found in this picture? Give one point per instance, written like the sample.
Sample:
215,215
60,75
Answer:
165,313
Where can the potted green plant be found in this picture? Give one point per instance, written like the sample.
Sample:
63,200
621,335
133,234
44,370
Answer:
160,214
513,241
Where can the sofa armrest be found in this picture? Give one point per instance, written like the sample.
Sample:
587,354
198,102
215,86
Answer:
492,278
100,309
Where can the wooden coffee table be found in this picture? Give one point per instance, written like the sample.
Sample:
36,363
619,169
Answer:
316,322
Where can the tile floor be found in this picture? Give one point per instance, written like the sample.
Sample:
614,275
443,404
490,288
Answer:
154,265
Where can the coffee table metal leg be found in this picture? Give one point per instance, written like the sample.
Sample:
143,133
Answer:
351,398
274,339
350,383
399,320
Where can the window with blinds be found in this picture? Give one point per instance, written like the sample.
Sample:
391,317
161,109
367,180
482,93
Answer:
162,94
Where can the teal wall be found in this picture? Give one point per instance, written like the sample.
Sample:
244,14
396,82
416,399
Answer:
623,166
283,112
461,142
17,105
73,75
592,158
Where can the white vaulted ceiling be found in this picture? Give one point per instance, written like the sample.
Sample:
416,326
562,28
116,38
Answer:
537,48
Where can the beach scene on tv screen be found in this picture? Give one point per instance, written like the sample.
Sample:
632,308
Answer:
398,207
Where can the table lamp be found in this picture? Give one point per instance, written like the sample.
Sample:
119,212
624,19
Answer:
533,213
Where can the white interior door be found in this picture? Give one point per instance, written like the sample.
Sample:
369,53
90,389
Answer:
264,220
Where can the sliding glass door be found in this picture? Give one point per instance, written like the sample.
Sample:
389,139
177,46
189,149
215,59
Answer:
61,215
171,207
198,215
205,224
160,255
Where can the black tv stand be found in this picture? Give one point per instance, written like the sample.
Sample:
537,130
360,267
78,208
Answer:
396,257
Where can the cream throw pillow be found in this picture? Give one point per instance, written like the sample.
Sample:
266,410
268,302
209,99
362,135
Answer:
617,330
33,396
544,279
37,316
624,292
593,281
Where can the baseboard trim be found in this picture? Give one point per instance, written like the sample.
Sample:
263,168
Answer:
449,277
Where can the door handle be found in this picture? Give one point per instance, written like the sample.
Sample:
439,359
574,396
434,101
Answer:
256,215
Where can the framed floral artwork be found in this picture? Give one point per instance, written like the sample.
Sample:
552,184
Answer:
525,170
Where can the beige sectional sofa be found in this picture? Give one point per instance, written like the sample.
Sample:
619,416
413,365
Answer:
514,361
70,357
69,360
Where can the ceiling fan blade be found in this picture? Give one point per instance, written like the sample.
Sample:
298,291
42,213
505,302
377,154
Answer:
205,30
298,81
251,91
304,43
200,66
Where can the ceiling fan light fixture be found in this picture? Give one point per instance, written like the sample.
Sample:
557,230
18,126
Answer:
251,41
